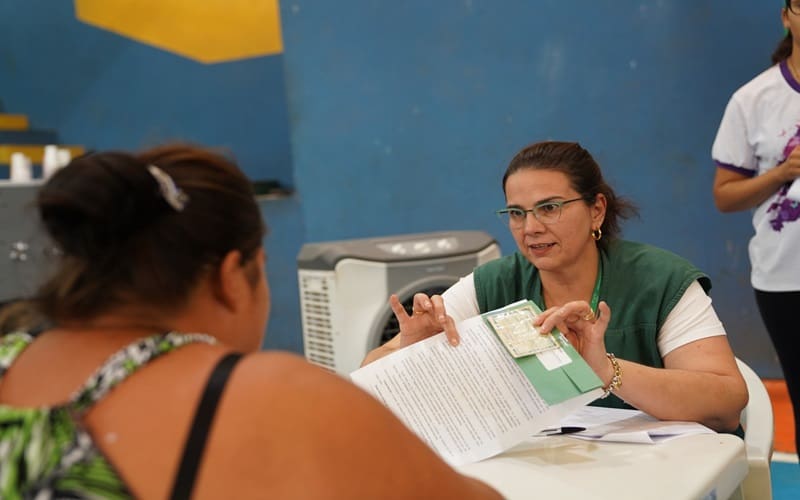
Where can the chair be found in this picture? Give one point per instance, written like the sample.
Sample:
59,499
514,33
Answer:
757,421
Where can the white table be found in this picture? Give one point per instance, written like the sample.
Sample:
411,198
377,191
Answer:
560,467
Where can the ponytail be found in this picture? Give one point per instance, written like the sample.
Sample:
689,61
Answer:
783,50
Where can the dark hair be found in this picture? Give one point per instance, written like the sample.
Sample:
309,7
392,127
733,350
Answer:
21,316
784,48
122,242
584,176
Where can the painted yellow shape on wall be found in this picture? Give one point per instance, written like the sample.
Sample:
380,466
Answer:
209,31
13,122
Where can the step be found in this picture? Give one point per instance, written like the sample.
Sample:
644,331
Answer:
33,151
13,122
42,137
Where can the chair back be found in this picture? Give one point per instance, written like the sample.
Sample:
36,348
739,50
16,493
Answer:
759,432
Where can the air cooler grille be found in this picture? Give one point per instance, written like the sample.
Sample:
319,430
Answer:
315,296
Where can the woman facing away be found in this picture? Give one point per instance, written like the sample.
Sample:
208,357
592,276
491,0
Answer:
640,316
150,384
758,159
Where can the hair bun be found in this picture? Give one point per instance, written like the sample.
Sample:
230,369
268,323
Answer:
97,202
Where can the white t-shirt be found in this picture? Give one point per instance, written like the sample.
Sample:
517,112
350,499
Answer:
691,319
759,129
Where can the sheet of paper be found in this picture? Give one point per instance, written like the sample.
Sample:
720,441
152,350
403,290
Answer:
628,426
468,402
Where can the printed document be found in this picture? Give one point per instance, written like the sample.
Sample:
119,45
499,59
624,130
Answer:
476,400
628,426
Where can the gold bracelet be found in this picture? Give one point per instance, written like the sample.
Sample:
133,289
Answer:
616,380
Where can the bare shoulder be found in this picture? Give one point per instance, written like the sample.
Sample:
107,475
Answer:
292,429
292,380
261,367
305,393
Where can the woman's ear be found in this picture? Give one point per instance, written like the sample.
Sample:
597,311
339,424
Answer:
231,282
599,210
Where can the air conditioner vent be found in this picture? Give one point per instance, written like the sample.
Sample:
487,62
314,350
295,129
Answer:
316,317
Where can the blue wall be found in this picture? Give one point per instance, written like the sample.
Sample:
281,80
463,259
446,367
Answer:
104,91
404,115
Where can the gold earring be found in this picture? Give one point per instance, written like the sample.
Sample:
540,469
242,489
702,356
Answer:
597,234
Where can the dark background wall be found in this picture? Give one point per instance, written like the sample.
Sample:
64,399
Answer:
402,116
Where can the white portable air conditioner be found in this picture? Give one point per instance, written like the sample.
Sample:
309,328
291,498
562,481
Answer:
345,287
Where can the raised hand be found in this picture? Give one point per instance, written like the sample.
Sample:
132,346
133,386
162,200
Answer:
428,318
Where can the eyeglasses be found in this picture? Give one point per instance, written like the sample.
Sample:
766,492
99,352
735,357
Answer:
793,6
546,212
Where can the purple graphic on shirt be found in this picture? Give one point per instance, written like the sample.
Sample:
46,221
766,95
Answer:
786,209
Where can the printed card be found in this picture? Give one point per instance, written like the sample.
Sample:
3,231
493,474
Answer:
514,327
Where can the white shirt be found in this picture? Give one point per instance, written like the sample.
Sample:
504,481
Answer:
761,125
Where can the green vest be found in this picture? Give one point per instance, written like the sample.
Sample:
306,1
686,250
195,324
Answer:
641,284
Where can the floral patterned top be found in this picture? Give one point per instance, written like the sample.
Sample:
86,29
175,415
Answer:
46,452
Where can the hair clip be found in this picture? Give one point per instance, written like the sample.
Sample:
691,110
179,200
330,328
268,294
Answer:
171,193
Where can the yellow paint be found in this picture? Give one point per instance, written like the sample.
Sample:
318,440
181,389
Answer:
35,153
209,31
13,122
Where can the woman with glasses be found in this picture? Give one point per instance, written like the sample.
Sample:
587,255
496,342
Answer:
638,315
758,161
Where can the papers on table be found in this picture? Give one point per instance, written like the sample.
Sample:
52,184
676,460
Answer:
475,400
627,426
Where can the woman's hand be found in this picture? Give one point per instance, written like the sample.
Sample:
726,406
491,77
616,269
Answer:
428,318
734,191
790,169
584,329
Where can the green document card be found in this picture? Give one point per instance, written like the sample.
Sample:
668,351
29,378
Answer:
513,327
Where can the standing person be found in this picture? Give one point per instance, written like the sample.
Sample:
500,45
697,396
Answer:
757,157
149,384
640,316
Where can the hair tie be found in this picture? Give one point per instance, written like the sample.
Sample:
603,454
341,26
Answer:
171,193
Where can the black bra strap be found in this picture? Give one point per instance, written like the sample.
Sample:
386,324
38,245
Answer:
193,451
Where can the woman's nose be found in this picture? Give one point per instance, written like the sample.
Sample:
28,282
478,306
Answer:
532,223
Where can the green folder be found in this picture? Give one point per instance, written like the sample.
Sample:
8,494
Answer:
559,384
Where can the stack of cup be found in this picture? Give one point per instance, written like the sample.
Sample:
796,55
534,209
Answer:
49,160
21,168
53,159
64,157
